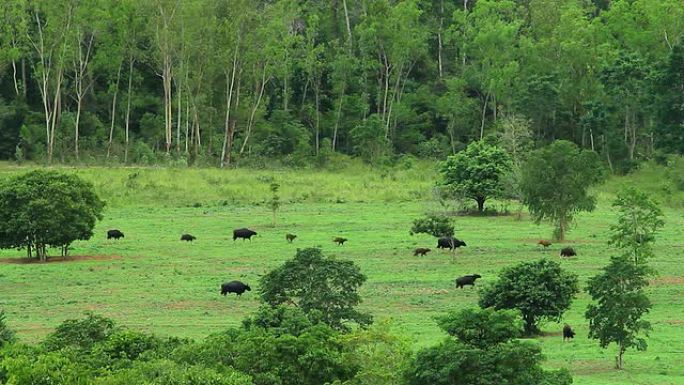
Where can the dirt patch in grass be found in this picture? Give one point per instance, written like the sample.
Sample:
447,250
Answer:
667,280
588,367
71,258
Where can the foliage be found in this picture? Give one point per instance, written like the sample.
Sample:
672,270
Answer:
275,200
7,335
80,334
435,225
482,328
44,369
555,182
379,357
476,173
468,360
619,305
168,372
539,290
47,208
639,219
312,357
321,286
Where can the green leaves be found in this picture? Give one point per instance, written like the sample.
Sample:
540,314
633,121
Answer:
618,305
555,183
321,286
482,328
435,225
538,289
639,219
47,208
476,173
485,353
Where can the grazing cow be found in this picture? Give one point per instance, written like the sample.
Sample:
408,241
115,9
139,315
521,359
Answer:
243,233
467,280
236,287
188,237
339,240
568,252
116,234
290,237
421,251
568,333
449,243
545,243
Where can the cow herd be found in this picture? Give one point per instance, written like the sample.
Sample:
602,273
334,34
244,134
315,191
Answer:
451,243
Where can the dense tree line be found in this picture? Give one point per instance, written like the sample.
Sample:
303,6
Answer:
217,81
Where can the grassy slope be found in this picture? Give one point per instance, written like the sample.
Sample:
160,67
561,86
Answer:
154,282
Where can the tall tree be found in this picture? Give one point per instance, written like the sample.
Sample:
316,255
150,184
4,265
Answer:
639,219
619,303
50,41
555,182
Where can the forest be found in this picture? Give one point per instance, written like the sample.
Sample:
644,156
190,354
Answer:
217,82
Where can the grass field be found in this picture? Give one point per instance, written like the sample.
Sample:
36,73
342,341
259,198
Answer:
152,281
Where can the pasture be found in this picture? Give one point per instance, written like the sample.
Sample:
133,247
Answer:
152,281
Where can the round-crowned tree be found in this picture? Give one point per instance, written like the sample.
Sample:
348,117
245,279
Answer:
477,172
42,209
324,288
539,289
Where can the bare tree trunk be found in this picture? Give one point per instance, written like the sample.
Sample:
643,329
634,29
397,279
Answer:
188,134
349,31
80,72
131,61
463,46
484,111
338,115
318,116
229,96
439,38
113,114
166,80
179,118
14,77
250,123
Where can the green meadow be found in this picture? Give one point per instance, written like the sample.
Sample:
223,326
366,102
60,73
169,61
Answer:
154,282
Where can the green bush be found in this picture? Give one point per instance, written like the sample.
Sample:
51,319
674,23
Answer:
81,334
6,334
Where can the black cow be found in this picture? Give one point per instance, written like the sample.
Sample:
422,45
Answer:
467,280
188,237
236,287
568,333
421,251
116,234
290,237
339,240
243,233
449,243
568,252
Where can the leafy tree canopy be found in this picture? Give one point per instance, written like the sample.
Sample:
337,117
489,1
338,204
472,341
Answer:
476,173
538,289
555,182
322,287
619,303
639,219
435,225
46,208
496,359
